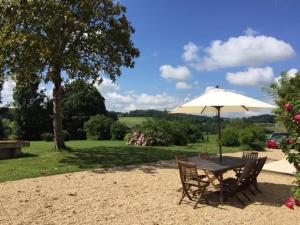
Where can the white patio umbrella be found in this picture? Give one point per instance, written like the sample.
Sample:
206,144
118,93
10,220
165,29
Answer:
219,100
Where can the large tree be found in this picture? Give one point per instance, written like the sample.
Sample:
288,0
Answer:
1,87
80,101
31,113
61,40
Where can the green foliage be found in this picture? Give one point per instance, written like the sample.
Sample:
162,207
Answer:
253,137
31,112
230,137
296,189
83,39
154,133
118,130
81,100
1,86
287,90
238,124
98,127
66,135
47,136
6,113
2,130
163,132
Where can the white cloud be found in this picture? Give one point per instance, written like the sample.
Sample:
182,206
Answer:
290,74
190,52
128,100
7,92
183,85
252,77
250,32
245,50
179,73
107,86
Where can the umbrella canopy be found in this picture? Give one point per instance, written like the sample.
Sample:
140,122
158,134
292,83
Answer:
227,100
220,100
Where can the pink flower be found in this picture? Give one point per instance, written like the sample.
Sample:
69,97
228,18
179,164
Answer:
297,118
288,107
290,203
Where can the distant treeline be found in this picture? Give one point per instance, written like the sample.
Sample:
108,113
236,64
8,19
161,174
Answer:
266,118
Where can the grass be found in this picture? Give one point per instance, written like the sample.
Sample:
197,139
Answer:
41,160
132,121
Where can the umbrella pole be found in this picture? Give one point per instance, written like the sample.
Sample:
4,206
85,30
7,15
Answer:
219,131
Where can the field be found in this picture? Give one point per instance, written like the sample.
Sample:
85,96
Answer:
132,121
41,160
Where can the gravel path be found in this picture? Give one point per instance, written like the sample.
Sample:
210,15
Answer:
145,194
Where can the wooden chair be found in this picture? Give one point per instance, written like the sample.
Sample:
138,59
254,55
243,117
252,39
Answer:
258,168
210,176
250,155
247,155
184,158
192,185
232,186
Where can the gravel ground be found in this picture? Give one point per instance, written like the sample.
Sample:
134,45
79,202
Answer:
144,194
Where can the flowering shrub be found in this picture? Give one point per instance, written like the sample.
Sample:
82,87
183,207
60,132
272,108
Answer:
287,97
162,132
148,138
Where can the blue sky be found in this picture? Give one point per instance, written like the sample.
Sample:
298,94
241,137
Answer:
258,38
188,46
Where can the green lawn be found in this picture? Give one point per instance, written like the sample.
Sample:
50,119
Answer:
132,121
41,160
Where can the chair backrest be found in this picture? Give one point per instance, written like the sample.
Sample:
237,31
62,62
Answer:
188,171
250,155
204,155
183,158
247,172
259,165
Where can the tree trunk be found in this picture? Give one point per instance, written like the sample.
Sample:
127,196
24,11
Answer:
57,116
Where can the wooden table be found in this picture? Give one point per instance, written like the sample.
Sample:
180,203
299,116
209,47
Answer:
218,168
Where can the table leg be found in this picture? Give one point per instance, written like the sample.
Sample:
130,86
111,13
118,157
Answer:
221,189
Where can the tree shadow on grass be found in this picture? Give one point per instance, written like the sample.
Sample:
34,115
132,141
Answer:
23,155
108,157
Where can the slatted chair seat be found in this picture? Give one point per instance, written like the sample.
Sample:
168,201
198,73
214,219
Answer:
232,186
193,186
258,168
247,155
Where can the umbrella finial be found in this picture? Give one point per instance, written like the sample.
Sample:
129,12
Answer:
217,86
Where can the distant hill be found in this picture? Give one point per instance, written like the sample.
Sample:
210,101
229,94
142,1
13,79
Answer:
266,118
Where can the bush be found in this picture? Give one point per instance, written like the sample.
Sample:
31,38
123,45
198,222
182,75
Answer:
47,136
149,133
230,137
118,130
195,134
253,138
162,132
98,127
